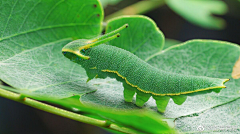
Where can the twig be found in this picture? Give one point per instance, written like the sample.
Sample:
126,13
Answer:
61,112
138,8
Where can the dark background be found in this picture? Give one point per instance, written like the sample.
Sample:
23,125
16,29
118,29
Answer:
22,119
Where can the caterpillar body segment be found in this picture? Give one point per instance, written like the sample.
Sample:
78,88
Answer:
136,75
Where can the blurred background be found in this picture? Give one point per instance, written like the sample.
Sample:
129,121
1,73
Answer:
22,119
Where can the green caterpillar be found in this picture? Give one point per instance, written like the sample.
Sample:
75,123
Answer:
101,61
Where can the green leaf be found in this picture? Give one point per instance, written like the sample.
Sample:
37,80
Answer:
27,24
109,2
170,43
140,119
44,72
32,36
221,119
142,37
199,12
143,121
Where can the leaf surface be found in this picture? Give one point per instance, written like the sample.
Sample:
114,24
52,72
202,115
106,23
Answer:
32,36
45,72
170,42
142,37
222,119
199,12
109,2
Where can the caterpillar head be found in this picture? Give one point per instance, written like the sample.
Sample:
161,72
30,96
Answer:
75,49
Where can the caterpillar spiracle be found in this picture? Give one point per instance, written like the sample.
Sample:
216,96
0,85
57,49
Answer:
101,61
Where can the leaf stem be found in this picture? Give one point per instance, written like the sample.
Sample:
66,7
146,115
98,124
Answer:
137,8
62,112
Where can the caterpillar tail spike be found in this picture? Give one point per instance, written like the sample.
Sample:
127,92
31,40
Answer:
136,75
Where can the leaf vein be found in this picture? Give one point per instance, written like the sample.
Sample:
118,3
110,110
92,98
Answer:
24,20
10,15
50,11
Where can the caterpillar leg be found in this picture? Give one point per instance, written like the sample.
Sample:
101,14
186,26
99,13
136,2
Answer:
161,102
101,75
217,90
142,98
179,99
128,92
